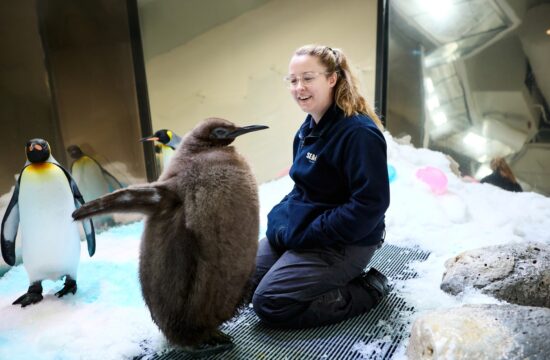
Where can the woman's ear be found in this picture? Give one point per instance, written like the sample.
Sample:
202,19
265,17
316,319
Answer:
332,79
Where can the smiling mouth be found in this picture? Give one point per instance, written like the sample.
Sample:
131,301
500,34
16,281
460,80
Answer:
303,98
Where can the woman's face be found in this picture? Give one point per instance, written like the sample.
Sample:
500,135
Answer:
310,86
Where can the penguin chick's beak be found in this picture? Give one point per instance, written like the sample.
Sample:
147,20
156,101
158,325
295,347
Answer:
245,129
150,138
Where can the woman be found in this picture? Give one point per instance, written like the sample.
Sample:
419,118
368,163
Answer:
321,236
502,176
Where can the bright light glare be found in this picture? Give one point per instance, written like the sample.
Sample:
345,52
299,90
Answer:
483,171
439,118
474,140
432,102
429,84
438,9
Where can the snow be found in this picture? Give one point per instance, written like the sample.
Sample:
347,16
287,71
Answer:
107,318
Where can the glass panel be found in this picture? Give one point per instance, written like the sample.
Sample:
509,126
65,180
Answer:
66,76
471,79
228,59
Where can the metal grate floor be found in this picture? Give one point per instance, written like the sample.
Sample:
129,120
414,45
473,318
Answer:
381,330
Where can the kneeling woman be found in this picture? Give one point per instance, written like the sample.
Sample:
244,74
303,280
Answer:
322,235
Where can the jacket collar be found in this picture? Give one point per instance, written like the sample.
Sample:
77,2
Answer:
311,130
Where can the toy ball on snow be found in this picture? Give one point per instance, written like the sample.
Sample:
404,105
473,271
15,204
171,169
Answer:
391,173
435,178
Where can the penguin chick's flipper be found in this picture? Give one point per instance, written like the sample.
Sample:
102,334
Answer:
217,343
33,295
69,287
144,199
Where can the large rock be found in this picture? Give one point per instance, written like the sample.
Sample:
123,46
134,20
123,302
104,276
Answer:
516,273
482,332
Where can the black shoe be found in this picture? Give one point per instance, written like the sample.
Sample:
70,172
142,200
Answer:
374,279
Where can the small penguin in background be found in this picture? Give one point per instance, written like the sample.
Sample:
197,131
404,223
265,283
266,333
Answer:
92,180
199,244
44,197
168,142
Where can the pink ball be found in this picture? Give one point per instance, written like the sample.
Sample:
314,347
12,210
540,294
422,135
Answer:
435,178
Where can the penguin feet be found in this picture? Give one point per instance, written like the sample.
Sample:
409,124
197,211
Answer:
69,287
33,295
219,337
217,343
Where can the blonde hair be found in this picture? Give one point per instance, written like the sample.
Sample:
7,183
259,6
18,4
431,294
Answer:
500,165
346,90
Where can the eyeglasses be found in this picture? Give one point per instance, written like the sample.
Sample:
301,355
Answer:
306,78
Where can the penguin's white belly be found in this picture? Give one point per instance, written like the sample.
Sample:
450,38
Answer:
167,153
89,178
50,239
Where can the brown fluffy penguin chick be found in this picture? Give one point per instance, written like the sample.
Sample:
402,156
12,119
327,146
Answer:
201,233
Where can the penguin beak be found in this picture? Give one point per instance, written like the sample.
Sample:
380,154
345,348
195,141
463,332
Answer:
150,138
245,129
35,147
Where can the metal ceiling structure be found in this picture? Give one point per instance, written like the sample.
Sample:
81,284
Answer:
499,117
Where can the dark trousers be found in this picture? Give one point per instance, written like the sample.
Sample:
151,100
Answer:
310,287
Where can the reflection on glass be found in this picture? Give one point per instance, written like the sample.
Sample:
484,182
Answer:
229,63
68,76
482,89
93,180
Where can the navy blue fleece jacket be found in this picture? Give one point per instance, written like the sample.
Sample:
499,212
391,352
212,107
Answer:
341,189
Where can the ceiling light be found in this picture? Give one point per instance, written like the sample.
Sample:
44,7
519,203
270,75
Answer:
429,84
439,118
474,140
438,9
432,102
548,32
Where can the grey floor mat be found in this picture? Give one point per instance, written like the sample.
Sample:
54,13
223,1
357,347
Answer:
382,329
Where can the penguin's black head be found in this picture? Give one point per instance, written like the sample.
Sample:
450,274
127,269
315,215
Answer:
75,152
38,150
220,132
164,136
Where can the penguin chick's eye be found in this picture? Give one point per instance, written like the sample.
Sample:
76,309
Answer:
219,133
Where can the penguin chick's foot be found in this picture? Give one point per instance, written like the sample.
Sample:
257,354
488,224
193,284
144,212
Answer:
217,343
33,295
69,287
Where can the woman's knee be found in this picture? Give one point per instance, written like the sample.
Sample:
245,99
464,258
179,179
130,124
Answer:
274,311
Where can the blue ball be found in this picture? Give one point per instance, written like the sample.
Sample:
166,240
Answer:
391,173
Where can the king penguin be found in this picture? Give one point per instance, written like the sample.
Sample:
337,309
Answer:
92,180
199,243
44,197
168,142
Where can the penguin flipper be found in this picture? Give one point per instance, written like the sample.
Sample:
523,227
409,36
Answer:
89,230
114,184
10,223
144,199
112,181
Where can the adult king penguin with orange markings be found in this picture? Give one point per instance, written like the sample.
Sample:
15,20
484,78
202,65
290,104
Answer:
168,141
199,244
44,197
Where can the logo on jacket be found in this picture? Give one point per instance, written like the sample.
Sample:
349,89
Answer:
311,157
